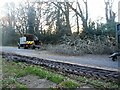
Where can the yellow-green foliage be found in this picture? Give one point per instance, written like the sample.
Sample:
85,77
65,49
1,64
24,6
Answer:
69,84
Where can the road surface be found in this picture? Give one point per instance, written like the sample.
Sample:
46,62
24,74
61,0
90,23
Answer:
99,61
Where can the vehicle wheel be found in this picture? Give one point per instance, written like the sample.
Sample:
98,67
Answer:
18,47
114,58
33,47
25,47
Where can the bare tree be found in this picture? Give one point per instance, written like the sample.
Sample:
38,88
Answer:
8,24
110,15
77,20
65,10
84,18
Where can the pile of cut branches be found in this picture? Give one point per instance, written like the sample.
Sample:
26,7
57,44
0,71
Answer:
76,46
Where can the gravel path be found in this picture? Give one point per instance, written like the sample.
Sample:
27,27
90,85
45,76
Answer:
100,61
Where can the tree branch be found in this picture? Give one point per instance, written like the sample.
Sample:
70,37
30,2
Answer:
59,7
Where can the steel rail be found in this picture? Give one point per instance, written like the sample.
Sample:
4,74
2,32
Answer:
65,67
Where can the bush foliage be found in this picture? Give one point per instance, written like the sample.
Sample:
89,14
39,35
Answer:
72,45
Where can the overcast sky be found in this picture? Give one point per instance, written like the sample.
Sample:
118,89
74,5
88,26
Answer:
96,7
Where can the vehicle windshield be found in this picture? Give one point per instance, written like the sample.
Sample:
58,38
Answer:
29,37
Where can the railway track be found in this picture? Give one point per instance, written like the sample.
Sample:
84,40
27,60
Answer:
65,67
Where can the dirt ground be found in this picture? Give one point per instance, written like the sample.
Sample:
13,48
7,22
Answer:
35,82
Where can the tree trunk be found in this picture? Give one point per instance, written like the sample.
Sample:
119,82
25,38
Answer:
77,24
67,19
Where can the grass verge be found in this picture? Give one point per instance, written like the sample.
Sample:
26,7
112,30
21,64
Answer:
98,83
13,70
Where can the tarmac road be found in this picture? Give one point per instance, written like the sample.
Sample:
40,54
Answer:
98,61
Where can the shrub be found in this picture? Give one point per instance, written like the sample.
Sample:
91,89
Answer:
77,46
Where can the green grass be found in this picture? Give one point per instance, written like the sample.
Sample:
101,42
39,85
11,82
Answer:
69,84
21,87
99,84
13,70
42,73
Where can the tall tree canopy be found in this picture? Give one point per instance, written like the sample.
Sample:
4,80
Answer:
52,20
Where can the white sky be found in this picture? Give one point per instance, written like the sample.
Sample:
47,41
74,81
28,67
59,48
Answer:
95,7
